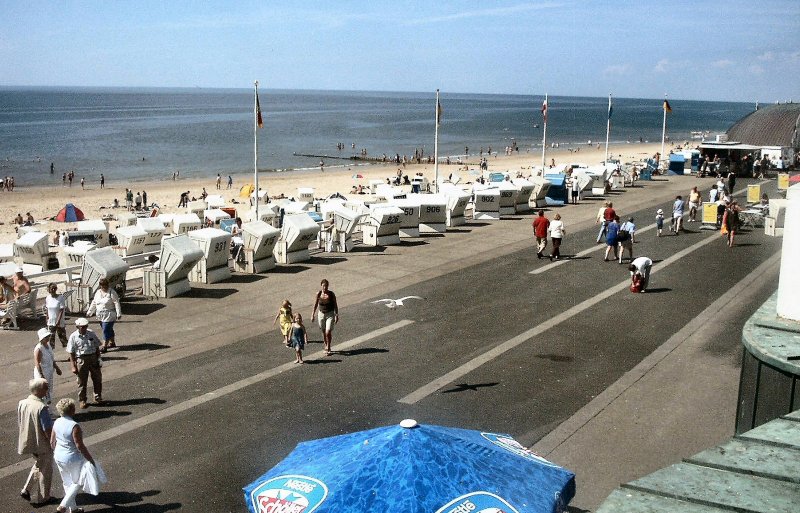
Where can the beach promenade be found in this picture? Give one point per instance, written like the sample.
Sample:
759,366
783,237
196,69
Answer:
202,398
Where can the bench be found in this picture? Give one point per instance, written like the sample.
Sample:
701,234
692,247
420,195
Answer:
27,302
10,314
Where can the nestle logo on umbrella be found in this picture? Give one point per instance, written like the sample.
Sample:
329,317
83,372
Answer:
289,494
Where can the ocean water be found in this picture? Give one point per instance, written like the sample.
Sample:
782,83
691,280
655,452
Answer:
145,134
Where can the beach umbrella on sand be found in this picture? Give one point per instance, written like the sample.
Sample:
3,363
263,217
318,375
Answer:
246,190
69,214
412,468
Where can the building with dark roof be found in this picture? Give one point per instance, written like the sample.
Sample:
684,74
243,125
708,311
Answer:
774,125
771,131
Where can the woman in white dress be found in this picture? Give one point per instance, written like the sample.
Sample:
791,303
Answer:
106,304
44,362
70,454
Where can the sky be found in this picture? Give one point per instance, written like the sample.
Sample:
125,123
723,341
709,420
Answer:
728,50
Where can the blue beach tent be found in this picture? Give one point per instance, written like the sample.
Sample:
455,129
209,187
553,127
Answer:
557,194
69,214
412,468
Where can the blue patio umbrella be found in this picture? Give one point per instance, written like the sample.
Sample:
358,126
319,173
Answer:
412,468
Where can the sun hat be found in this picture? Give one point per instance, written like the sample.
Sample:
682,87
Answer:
43,333
81,321
659,211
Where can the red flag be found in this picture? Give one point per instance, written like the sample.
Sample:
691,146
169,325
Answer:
259,119
544,110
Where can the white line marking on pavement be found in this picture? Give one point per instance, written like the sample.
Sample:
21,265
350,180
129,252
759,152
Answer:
209,396
569,427
510,344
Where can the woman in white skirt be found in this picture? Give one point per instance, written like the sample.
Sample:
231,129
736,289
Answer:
44,362
72,457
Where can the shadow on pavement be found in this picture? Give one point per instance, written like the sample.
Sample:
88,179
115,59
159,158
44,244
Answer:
291,269
658,290
130,502
412,243
463,387
317,362
364,350
244,278
144,346
134,402
554,357
141,308
210,293
90,415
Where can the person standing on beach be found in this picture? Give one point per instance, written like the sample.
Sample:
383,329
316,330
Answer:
52,168
102,181
219,181
144,199
328,316
138,201
230,181
322,166
540,226
64,180
129,199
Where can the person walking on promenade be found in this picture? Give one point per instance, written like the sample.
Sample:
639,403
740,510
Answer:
730,221
640,272
606,214
626,236
84,355
695,200
328,315
71,456
285,316
35,426
677,215
611,238
540,225
55,311
575,188
106,305
557,232
659,222
44,362
299,337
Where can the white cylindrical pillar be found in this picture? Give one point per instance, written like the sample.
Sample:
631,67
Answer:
789,281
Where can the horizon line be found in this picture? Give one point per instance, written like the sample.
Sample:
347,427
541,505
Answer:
216,88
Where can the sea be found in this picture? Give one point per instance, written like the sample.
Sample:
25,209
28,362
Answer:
144,134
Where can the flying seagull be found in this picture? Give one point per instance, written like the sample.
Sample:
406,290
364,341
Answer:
394,303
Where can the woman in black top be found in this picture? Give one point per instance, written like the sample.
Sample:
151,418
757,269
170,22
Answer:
328,314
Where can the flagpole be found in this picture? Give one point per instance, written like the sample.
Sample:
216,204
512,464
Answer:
255,146
436,146
663,127
608,125
544,132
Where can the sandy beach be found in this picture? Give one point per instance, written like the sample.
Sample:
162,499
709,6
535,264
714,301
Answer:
45,202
